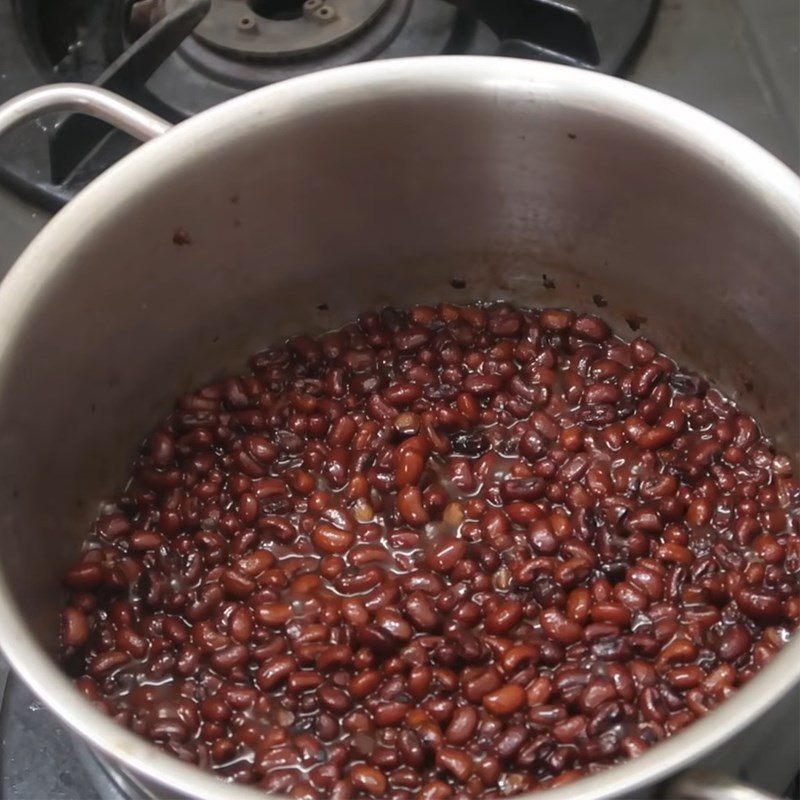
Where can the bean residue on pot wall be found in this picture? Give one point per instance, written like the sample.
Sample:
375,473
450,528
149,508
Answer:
181,237
451,551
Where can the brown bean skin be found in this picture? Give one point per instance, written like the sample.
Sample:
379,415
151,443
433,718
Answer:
684,677
559,627
411,507
273,615
579,604
145,540
678,651
734,642
504,617
505,700
421,611
760,605
456,762
75,628
237,585
612,613
105,663
364,683
329,539
442,552
334,699
631,597
648,581
255,563
482,385
445,556
83,576
539,690
519,656
229,658
462,725
590,327
369,780
409,467
568,731
475,688
275,670
241,624
131,642
410,460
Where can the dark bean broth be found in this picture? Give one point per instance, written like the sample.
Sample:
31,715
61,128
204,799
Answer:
453,551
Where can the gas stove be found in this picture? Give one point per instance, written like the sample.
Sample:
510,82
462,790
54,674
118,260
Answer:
736,59
179,57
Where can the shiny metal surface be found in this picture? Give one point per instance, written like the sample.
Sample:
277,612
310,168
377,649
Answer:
394,177
713,786
84,99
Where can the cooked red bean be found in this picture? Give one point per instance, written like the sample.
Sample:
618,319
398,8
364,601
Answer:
330,539
478,682
460,552
505,700
275,670
369,780
503,618
75,627
456,762
444,556
462,725
411,506
559,628
273,615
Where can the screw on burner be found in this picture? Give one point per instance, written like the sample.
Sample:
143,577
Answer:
262,30
323,13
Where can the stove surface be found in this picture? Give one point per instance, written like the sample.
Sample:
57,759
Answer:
31,738
737,60
180,57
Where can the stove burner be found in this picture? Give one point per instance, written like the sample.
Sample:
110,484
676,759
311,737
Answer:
250,43
180,57
269,29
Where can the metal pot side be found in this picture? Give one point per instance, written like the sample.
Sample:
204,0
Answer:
358,187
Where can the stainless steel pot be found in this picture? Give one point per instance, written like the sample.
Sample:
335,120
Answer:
356,187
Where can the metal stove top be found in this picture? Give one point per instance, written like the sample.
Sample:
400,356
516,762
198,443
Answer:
736,59
179,57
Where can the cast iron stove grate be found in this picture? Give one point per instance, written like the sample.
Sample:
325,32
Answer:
179,57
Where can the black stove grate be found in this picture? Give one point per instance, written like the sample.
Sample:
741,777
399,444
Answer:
177,57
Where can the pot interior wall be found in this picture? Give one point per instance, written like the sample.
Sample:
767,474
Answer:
221,247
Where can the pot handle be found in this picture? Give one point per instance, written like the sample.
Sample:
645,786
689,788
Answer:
84,99
702,785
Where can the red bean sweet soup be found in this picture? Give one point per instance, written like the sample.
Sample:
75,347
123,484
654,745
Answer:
446,552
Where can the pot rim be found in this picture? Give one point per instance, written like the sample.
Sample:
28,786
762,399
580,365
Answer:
767,180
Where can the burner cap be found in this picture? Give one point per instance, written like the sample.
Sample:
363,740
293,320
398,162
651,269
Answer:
280,29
